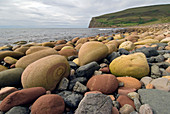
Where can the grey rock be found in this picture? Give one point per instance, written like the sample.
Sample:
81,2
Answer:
122,51
161,84
146,80
71,99
164,72
18,110
87,70
112,56
163,51
163,65
145,109
121,84
126,109
159,58
97,72
133,95
95,104
116,104
159,100
155,72
149,52
79,88
166,55
137,104
63,84
82,80
134,112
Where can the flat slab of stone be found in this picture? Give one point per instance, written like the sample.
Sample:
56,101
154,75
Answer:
159,100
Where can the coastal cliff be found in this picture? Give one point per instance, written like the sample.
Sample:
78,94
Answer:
147,15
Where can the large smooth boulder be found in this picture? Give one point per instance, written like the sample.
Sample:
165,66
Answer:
134,65
4,54
166,40
11,77
92,51
22,49
129,82
146,41
95,104
28,59
21,97
48,104
157,99
33,49
128,45
46,72
106,83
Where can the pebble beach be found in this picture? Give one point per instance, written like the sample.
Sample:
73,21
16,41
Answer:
123,73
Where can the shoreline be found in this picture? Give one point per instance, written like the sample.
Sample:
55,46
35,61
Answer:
124,72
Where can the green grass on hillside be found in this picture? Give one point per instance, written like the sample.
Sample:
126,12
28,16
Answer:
133,17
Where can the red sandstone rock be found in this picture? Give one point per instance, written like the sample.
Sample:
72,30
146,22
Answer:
123,99
125,90
106,83
21,97
48,104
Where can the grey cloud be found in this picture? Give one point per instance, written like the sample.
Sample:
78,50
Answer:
61,13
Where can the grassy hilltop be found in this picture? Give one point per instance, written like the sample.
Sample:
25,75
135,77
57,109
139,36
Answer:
147,15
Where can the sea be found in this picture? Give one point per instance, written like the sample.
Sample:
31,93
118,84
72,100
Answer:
10,35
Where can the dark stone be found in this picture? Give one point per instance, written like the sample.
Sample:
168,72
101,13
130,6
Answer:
164,65
71,58
159,58
122,51
95,104
150,51
82,80
112,56
155,72
71,99
18,110
158,100
87,70
110,38
73,65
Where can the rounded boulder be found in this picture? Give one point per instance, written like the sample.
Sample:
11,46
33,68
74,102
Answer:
130,82
48,104
92,51
46,72
106,83
33,49
134,65
21,97
128,45
28,59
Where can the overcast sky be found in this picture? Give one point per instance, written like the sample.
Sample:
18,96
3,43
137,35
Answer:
61,13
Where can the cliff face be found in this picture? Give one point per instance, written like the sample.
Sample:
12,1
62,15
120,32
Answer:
133,17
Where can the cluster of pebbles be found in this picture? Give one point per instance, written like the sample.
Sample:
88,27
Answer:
127,72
